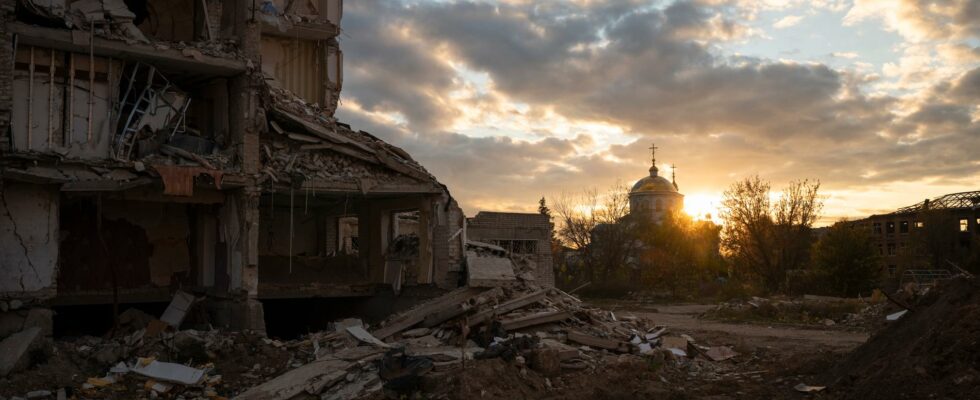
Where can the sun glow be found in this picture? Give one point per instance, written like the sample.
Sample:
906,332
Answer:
702,206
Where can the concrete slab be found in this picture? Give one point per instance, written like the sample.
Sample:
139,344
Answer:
15,348
488,271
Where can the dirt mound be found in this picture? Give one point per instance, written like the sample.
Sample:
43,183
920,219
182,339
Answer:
931,352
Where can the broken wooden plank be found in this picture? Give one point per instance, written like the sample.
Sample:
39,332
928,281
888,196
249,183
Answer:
311,378
566,295
451,311
171,59
416,315
507,307
535,319
303,138
275,127
363,335
319,130
400,167
598,342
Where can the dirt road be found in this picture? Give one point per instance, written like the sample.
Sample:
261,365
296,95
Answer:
684,318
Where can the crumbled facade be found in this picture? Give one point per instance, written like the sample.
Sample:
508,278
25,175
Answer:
933,235
155,147
525,236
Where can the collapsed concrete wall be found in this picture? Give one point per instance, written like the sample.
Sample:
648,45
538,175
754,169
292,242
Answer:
172,162
28,240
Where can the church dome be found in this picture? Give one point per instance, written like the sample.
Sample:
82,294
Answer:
653,183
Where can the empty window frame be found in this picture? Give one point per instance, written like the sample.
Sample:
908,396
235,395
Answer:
964,225
347,237
876,228
903,227
516,246
890,227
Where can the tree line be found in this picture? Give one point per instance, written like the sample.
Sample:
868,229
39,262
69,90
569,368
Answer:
766,244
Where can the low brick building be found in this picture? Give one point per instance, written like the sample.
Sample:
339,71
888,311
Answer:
519,233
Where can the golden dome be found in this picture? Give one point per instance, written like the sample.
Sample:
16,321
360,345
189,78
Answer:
653,183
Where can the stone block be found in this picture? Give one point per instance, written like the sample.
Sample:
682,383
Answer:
40,318
11,322
15,350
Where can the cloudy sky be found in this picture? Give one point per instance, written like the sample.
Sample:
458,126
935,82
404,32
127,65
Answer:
509,101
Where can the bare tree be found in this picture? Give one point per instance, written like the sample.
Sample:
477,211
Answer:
589,224
766,238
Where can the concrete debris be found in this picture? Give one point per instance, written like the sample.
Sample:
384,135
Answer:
488,271
107,18
804,388
15,349
896,315
363,335
177,310
720,353
169,372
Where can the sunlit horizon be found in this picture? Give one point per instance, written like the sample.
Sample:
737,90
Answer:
504,103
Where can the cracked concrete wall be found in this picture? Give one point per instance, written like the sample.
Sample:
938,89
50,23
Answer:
28,240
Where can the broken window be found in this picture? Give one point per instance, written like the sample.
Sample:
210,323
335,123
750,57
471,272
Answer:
891,249
903,227
964,225
877,228
347,235
404,223
890,227
65,102
517,246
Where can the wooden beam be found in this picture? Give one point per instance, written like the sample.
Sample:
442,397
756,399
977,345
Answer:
302,31
598,342
535,319
105,185
61,39
319,130
455,310
416,315
507,307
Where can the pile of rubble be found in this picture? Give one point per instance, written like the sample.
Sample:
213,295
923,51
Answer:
808,310
930,350
301,134
542,329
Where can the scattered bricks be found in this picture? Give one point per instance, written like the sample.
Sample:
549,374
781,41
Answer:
14,350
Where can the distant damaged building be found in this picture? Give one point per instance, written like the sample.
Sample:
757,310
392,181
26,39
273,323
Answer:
150,146
927,240
524,237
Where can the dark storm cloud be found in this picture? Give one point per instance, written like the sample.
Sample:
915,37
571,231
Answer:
653,70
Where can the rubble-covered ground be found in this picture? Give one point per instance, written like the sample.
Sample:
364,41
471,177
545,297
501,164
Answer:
526,342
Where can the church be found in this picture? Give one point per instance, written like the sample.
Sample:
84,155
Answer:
654,196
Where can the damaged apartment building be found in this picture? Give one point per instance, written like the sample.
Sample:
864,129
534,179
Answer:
155,146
